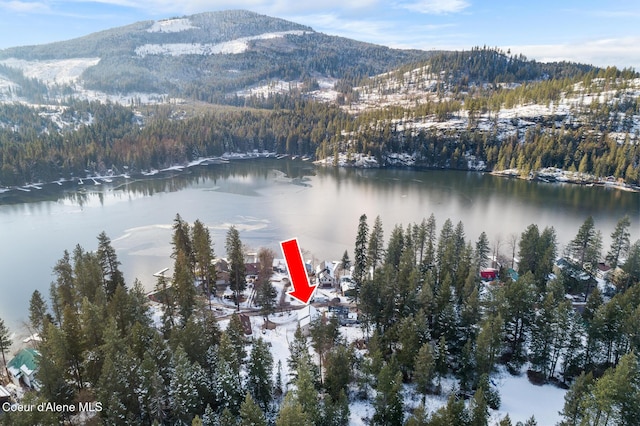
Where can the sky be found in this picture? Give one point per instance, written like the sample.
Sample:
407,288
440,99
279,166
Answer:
593,32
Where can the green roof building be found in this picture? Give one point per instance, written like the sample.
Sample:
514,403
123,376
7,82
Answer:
23,367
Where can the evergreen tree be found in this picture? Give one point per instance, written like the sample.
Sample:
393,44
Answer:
183,284
430,241
226,378
153,393
482,251
389,403
478,409
572,412
583,248
360,255
37,311
376,245
72,344
235,332
336,412
64,289
298,352
345,262
518,313
112,277
251,414
237,270
615,396
425,367
88,273
168,305
338,371
306,394
266,299
324,335
5,343
620,242
259,369
632,266
203,256
292,414
488,344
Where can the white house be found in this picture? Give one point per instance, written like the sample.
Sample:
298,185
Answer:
306,316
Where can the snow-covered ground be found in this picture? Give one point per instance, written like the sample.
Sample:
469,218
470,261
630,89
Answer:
58,71
237,46
171,26
521,399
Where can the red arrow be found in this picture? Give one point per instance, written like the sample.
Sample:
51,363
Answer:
302,291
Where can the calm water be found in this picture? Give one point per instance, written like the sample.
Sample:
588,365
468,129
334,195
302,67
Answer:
269,201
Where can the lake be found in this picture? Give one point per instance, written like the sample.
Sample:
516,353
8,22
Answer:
269,201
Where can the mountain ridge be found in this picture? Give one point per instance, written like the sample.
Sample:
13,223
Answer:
210,53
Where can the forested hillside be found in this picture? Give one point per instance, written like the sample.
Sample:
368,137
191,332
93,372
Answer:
298,92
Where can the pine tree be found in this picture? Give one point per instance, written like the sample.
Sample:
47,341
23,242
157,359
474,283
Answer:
292,414
298,352
259,369
152,392
345,262
360,255
336,412
305,393
582,246
226,376
572,411
482,251
251,414
479,410
204,255
72,343
266,299
425,369
430,241
620,242
339,371
518,312
488,344
376,245
235,332
389,403
183,285
237,271
324,335
37,311
112,277
5,343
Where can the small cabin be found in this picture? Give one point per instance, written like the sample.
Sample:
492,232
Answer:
489,274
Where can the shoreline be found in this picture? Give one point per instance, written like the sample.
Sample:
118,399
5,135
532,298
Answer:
547,175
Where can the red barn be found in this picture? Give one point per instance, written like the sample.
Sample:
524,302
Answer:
489,274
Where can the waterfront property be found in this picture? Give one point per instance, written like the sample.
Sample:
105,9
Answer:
23,368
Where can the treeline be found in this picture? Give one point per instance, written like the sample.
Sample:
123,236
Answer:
109,136
431,318
425,315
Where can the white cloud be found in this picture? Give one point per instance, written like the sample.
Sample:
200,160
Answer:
436,7
621,52
24,7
